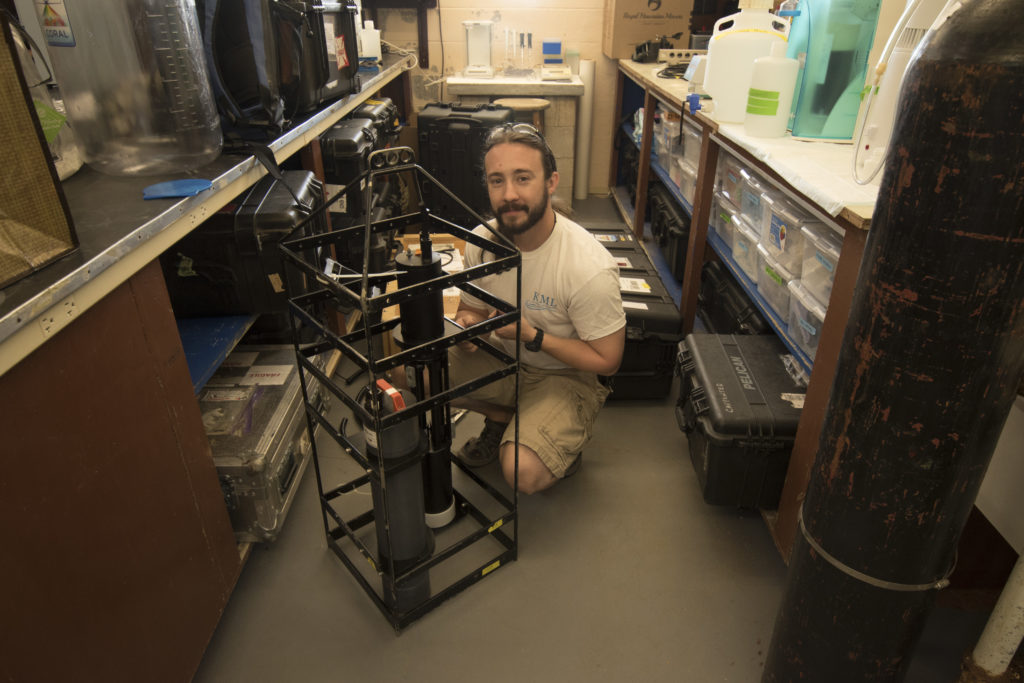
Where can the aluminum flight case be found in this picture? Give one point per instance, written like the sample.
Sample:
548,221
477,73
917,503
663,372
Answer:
255,421
739,408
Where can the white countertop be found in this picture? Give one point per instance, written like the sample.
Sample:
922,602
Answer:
514,85
819,169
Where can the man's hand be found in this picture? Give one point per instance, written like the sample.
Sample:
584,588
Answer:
509,331
466,317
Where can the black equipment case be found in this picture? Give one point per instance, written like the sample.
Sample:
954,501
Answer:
653,330
724,307
384,114
346,148
671,228
653,323
451,138
739,408
230,264
270,62
255,421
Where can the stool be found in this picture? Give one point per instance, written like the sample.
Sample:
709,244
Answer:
534,105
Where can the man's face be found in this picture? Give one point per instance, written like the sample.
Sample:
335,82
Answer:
515,183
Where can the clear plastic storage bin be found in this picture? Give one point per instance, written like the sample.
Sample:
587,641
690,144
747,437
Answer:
687,180
821,254
729,178
722,215
691,143
773,282
744,250
781,232
806,317
751,203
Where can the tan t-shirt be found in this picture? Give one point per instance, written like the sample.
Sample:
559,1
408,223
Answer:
570,289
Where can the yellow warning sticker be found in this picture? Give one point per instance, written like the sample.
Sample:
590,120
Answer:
495,526
490,568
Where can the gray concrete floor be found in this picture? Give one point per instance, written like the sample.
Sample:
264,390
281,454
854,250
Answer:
623,574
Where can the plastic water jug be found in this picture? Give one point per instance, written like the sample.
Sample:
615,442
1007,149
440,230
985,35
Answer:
772,83
737,41
134,82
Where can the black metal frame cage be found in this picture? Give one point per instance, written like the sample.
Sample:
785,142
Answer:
484,533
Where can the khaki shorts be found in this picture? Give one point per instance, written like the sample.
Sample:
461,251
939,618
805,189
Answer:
557,408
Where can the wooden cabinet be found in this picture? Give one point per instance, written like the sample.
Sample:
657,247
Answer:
814,176
119,553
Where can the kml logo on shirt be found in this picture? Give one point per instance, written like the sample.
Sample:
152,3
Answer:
539,302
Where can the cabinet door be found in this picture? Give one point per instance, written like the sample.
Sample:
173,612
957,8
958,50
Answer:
119,554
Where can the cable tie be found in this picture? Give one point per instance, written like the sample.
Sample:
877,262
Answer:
865,578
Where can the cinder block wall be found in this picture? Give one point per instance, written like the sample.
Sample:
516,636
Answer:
577,23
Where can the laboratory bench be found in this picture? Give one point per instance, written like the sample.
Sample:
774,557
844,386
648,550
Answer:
121,554
815,176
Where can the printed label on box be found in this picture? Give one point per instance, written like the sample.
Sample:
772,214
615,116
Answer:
825,261
634,285
777,233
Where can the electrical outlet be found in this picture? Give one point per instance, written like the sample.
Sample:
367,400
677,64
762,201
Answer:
54,320
672,56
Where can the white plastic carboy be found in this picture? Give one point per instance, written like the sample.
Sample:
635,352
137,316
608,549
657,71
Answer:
737,41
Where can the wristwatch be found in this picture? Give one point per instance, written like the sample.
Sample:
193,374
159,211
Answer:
534,344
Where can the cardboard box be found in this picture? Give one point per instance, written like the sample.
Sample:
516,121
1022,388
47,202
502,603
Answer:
35,224
627,23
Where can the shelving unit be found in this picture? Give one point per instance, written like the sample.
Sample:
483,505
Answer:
811,174
90,343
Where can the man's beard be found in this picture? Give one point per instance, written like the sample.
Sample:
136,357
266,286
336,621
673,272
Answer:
533,215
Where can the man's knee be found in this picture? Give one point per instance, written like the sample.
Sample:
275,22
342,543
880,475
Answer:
534,475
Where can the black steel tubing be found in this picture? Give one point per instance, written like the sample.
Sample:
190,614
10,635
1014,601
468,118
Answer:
928,367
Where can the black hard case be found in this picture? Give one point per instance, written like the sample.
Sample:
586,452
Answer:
252,410
671,228
451,141
724,307
346,147
339,21
316,67
231,265
739,408
384,114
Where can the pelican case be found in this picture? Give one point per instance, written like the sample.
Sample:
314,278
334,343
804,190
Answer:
345,149
384,114
671,227
255,421
653,331
230,264
724,307
451,139
739,408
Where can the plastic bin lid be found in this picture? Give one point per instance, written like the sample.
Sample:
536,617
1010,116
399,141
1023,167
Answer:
685,166
797,289
823,237
725,202
785,273
746,228
782,206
